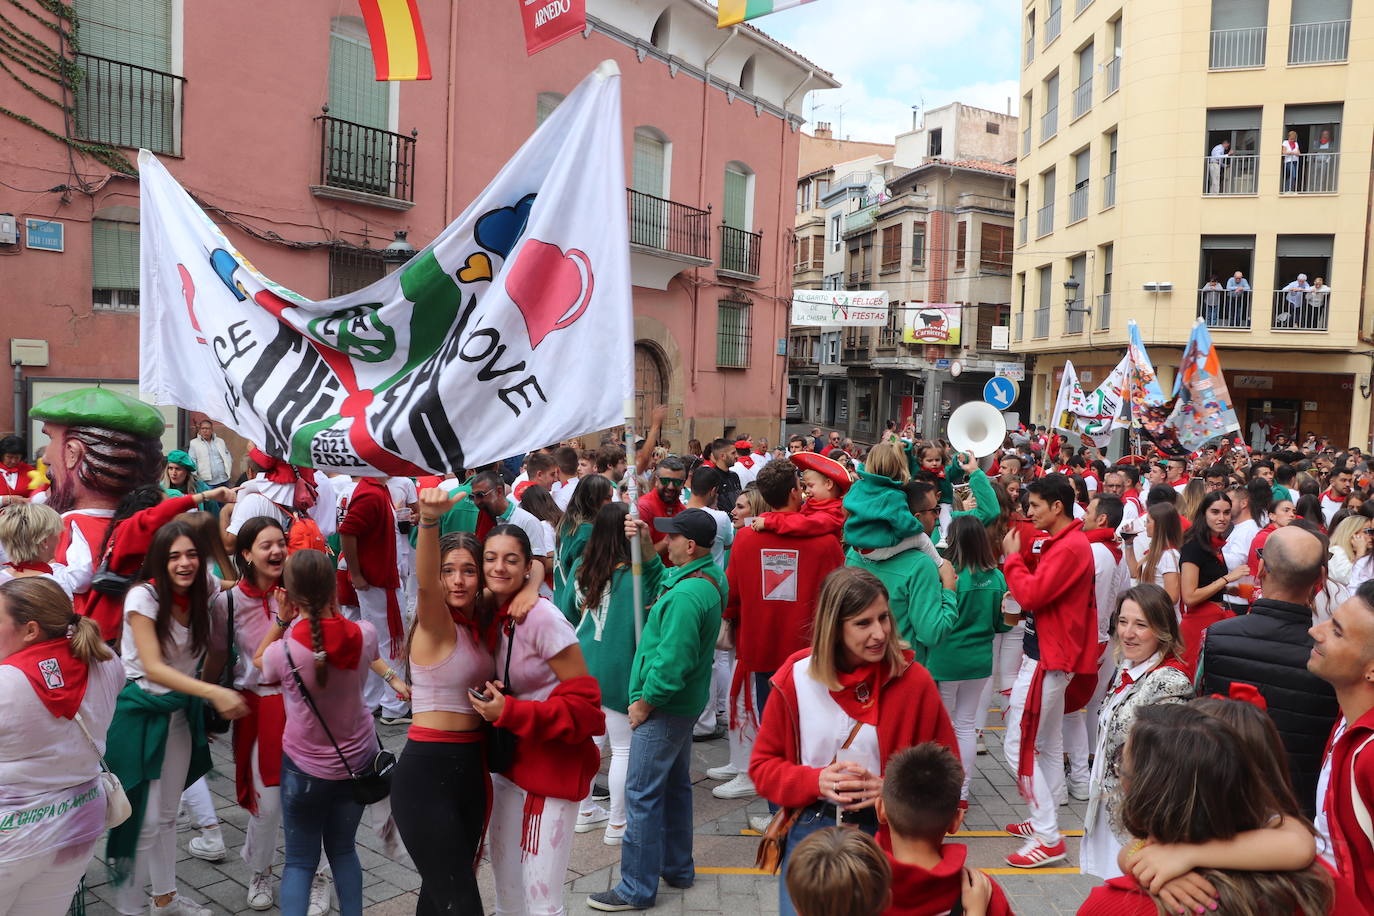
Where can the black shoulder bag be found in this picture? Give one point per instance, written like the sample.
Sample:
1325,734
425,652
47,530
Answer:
501,742
215,724
369,787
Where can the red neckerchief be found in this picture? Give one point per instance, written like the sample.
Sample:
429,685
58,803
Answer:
746,460
252,591
463,620
343,640
1171,662
278,471
32,566
1182,481
56,675
1107,538
1216,544
858,693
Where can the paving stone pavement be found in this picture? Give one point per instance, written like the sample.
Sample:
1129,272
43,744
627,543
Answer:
724,855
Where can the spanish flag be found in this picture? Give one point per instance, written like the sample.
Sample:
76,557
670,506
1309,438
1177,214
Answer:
733,12
398,41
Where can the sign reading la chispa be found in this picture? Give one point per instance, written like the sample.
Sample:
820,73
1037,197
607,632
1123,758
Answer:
548,22
477,348
860,308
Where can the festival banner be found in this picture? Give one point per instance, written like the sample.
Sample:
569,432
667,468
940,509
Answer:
934,323
1149,410
833,307
1203,408
397,38
1089,419
547,22
733,12
513,327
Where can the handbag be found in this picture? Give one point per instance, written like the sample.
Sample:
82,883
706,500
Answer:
108,582
769,855
117,807
216,724
502,742
374,784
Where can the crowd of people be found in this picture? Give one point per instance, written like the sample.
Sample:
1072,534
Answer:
1186,644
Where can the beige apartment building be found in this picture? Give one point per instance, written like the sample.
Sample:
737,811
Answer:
1165,143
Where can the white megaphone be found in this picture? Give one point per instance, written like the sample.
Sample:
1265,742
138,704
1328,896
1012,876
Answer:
977,428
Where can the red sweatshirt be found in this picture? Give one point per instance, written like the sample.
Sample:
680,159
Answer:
1352,754
910,712
555,756
128,546
815,517
372,521
918,891
1124,897
21,481
1060,594
774,581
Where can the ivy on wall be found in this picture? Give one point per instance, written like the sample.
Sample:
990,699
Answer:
44,65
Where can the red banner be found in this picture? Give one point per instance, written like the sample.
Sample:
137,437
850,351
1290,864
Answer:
548,22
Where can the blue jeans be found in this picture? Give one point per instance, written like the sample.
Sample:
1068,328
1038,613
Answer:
808,823
317,811
658,807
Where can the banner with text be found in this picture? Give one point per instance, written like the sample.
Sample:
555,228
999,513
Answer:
513,327
934,323
831,307
547,22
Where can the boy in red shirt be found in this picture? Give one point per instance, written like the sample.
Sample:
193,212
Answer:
918,807
370,581
824,481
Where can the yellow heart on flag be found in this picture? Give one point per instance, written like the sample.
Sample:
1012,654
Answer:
478,267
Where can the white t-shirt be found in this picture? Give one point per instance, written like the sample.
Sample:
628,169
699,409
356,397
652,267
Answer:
540,544
725,535
544,633
563,492
260,496
177,653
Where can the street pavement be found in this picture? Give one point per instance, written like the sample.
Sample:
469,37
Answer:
724,851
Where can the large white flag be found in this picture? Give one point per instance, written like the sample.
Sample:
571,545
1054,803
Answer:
1090,417
511,329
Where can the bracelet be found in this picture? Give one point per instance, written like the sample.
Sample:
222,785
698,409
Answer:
390,673
424,524
283,624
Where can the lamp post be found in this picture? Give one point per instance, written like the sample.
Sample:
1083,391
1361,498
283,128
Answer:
395,255
1071,286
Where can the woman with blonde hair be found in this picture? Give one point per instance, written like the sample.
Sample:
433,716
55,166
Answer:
1348,544
29,533
1159,565
838,711
1191,497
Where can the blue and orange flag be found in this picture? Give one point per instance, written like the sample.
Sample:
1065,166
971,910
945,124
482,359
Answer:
1203,407
398,40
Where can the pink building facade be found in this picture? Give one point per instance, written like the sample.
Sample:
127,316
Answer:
269,115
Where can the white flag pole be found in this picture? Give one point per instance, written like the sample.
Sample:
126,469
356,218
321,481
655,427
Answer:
632,490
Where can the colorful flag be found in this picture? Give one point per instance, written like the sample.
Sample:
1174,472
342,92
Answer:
513,327
733,12
398,40
548,22
1149,410
1203,408
1090,418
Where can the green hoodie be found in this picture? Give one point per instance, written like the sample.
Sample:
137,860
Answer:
672,666
988,506
570,548
922,609
878,513
607,631
953,473
966,651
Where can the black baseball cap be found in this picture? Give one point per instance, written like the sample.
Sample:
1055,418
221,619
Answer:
694,524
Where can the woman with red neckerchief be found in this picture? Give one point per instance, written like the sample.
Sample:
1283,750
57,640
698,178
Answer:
53,667
554,710
29,533
1203,576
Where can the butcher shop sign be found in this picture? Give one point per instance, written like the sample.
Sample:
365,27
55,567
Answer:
931,323
854,308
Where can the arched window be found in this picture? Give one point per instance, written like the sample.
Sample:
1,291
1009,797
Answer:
651,381
544,105
738,212
746,75
659,36
650,169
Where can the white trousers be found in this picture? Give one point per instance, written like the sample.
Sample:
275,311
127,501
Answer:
155,861
1049,747
43,885
372,608
618,733
721,669
742,738
963,700
528,885
1080,728
264,828
199,802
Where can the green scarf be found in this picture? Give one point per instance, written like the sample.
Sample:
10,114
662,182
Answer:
137,740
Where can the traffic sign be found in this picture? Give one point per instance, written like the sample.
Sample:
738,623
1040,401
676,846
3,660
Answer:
1001,392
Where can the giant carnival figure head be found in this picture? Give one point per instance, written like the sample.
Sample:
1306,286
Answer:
102,444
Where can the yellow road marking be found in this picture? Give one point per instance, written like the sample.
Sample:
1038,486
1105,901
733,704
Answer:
722,870
977,833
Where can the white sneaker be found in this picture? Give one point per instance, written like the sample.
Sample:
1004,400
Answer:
260,892
722,774
178,906
320,900
1079,790
614,835
208,846
588,819
759,822
739,787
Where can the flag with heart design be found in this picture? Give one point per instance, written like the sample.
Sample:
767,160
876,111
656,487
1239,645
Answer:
512,329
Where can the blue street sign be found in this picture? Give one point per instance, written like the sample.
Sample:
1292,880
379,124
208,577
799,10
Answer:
1001,392
44,235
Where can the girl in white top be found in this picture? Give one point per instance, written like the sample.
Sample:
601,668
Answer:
29,533
1158,565
169,631
53,668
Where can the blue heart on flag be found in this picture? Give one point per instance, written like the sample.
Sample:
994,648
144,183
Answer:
498,230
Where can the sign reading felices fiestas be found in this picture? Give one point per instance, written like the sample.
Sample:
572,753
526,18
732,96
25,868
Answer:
856,308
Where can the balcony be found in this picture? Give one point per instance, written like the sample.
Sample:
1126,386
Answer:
1029,56
1113,76
1237,49
1081,5
1073,317
1083,98
1021,230
1109,190
1301,309
1018,325
1224,310
1310,173
1078,205
123,104
854,356
368,164
670,227
1049,124
1234,175
1042,324
1104,311
1318,42
1052,26
861,219
1026,142
739,253
1044,221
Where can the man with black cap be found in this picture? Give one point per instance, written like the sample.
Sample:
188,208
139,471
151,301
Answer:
670,680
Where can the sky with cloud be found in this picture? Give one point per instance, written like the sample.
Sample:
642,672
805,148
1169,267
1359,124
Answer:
889,55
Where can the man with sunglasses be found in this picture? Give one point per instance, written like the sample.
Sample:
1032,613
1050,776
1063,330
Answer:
664,500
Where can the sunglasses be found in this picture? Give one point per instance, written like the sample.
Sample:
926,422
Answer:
671,481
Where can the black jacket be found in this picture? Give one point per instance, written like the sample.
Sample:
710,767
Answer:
1268,648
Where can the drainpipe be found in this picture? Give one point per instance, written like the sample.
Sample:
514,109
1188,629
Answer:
701,189
19,400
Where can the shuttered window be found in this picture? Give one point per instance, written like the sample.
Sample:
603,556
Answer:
114,265
130,31
995,243
803,252
961,246
354,92
127,95
918,244
649,161
732,334
892,247
736,199
818,252
990,316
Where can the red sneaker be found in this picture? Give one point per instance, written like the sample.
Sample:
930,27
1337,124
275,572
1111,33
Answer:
1035,854
1022,829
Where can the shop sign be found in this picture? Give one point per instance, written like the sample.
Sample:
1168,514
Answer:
1263,382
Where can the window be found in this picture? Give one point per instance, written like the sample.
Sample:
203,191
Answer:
892,247
993,127
830,347
991,315
746,75
918,244
1049,121
114,263
961,245
1052,21
994,246
1320,31
544,105
833,281
351,269
817,252
804,197
836,222
1239,34
1043,278
1083,92
650,169
128,95
732,334
1318,129
935,142
1104,299
361,150
803,252
739,187
662,27
1238,172
651,379
1030,40
1045,215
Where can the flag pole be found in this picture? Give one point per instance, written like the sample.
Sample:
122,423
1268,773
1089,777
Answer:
632,490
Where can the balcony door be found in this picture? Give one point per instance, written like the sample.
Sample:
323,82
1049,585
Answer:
357,142
649,180
127,96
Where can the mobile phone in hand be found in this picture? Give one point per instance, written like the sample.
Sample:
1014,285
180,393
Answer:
478,695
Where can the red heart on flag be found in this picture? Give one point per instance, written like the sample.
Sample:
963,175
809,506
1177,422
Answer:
548,287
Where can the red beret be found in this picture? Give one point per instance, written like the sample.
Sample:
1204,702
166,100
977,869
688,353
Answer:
813,461
744,444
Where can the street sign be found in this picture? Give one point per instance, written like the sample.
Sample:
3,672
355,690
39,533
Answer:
44,235
1014,371
1001,392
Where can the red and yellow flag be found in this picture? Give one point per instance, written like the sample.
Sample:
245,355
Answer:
398,41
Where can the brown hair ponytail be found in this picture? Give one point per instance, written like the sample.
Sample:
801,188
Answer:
309,580
41,600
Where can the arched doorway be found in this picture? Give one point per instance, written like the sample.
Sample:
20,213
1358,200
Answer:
651,382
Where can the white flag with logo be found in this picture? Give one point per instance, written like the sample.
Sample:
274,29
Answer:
513,328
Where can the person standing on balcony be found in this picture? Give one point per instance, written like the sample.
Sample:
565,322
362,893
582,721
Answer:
1292,154
1211,300
1216,162
1295,295
1323,180
1317,299
1238,299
